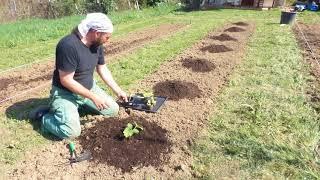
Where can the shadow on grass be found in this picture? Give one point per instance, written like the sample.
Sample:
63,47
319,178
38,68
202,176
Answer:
20,111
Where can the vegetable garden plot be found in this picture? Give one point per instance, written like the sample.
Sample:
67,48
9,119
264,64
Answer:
183,118
311,39
16,81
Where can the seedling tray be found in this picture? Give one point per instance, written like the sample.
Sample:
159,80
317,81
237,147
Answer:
137,103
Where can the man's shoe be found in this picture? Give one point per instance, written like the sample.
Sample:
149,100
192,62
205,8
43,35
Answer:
37,113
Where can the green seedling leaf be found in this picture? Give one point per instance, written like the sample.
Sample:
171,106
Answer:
130,126
129,131
135,131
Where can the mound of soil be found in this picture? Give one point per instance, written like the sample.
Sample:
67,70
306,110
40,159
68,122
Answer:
176,90
223,37
241,24
216,48
198,65
234,29
107,144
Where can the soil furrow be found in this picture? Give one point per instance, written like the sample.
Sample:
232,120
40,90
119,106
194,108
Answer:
19,80
183,117
312,35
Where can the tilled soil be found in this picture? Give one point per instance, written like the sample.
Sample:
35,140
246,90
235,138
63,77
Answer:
213,48
176,90
16,81
108,145
241,24
234,29
183,119
223,37
198,65
312,36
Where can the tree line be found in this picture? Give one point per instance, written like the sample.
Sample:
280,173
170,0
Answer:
20,9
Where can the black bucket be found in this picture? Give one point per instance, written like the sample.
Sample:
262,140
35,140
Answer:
288,17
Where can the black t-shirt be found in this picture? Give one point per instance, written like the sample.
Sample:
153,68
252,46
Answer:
74,56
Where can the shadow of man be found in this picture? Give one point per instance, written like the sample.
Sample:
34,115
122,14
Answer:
20,111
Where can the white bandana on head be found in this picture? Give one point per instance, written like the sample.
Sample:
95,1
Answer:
97,21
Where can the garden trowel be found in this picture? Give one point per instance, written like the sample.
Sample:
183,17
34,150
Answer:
74,157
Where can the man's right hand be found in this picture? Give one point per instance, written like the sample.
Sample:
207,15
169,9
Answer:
99,102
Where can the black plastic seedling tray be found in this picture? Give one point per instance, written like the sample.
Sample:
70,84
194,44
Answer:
137,103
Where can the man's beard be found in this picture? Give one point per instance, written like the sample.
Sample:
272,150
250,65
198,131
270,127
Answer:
97,43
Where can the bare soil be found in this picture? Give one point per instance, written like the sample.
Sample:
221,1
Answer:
312,35
241,24
223,37
144,149
198,65
213,48
176,90
234,29
16,81
183,119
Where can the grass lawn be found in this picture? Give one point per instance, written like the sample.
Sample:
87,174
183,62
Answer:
262,125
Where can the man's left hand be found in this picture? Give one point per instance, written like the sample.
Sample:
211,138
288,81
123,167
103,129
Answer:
123,96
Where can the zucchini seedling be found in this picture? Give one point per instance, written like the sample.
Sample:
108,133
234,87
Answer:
150,100
131,130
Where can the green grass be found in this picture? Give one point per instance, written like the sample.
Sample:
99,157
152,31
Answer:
309,17
263,126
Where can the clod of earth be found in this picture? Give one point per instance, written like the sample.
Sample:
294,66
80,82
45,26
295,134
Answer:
108,145
198,65
216,48
241,24
234,29
176,90
223,37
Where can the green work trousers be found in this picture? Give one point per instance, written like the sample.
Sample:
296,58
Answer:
63,118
